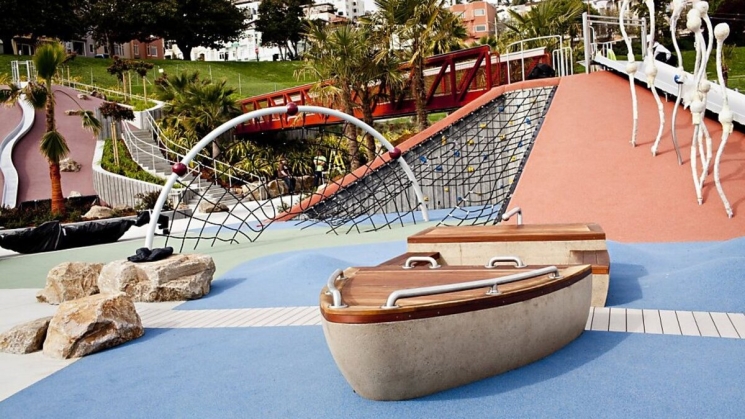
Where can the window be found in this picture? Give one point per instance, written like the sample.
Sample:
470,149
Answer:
136,49
480,28
479,12
354,10
90,47
152,51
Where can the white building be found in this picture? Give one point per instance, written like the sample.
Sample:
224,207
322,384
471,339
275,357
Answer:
351,9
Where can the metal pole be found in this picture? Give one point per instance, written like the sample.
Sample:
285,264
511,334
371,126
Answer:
644,38
586,33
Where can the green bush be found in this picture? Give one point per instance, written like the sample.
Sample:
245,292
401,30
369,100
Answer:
127,167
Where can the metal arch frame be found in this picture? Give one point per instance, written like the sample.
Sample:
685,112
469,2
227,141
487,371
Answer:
267,112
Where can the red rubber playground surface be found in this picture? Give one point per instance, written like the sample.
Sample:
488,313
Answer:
583,168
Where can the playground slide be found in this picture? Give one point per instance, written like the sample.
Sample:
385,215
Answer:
33,168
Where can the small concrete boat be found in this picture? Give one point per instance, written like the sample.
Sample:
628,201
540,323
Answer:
399,332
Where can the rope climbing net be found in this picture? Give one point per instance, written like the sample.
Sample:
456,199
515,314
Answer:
346,181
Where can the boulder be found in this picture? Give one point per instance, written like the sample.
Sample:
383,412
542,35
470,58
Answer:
91,324
254,191
70,280
25,338
304,183
74,194
276,188
177,278
69,165
208,207
98,212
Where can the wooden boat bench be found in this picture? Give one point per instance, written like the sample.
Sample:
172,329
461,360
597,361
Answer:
535,244
398,333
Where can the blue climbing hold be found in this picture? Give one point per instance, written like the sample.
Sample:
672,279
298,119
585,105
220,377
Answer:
457,153
486,157
520,144
678,79
422,159
527,121
438,168
501,109
459,199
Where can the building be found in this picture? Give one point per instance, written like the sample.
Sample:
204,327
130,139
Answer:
479,18
350,9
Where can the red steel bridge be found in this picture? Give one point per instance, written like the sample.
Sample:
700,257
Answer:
452,79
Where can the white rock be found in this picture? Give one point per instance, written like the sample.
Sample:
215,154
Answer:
25,338
70,280
69,165
92,324
98,212
208,207
179,277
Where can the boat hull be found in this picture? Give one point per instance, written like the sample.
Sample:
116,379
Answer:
414,358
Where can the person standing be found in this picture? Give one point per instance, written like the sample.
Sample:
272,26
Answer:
283,172
319,164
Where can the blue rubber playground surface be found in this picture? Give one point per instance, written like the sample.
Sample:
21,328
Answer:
288,372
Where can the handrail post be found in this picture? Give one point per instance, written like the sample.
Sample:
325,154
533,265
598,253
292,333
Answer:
335,292
517,210
432,262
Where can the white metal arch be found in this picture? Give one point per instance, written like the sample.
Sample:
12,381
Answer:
266,112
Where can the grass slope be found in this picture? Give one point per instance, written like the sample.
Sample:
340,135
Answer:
248,78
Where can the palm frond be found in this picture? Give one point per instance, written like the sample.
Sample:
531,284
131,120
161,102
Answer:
37,95
47,59
53,146
90,122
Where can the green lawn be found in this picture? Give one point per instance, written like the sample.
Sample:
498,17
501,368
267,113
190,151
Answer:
248,78
736,72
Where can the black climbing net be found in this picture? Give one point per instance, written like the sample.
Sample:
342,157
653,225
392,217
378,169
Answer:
467,172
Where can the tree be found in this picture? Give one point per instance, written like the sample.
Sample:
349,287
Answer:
51,19
551,17
369,70
47,59
117,113
118,21
197,106
281,24
206,23
424,28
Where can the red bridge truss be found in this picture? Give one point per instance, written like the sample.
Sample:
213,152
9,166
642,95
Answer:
452,79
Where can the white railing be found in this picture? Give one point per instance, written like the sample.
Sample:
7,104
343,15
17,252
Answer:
205,160
562,60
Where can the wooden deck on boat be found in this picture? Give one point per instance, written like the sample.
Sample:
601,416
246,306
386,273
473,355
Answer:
367,289
509,233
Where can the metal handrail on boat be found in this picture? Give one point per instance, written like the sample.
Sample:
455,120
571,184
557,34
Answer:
553,271
507,215
432,262
514,259
335,293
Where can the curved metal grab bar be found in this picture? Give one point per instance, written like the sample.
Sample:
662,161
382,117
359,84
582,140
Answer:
507,215
432,262
335,293
514,259
491,282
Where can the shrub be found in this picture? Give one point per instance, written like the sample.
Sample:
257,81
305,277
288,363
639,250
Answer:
148,201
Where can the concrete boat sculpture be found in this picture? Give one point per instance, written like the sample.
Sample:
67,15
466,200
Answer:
398,331
536,244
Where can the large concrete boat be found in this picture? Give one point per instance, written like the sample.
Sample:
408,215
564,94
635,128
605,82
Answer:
399,332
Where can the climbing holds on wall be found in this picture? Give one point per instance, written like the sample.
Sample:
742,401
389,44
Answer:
456,153
470,169
423,159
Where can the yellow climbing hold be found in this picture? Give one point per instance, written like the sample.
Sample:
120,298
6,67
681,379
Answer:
447,189
444,140
502,137
470,142
482,125
470,169
512,122
426,199
513,158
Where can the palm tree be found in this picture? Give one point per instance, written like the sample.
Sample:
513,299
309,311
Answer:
551,17
333,56
424,28
198,106
47,59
